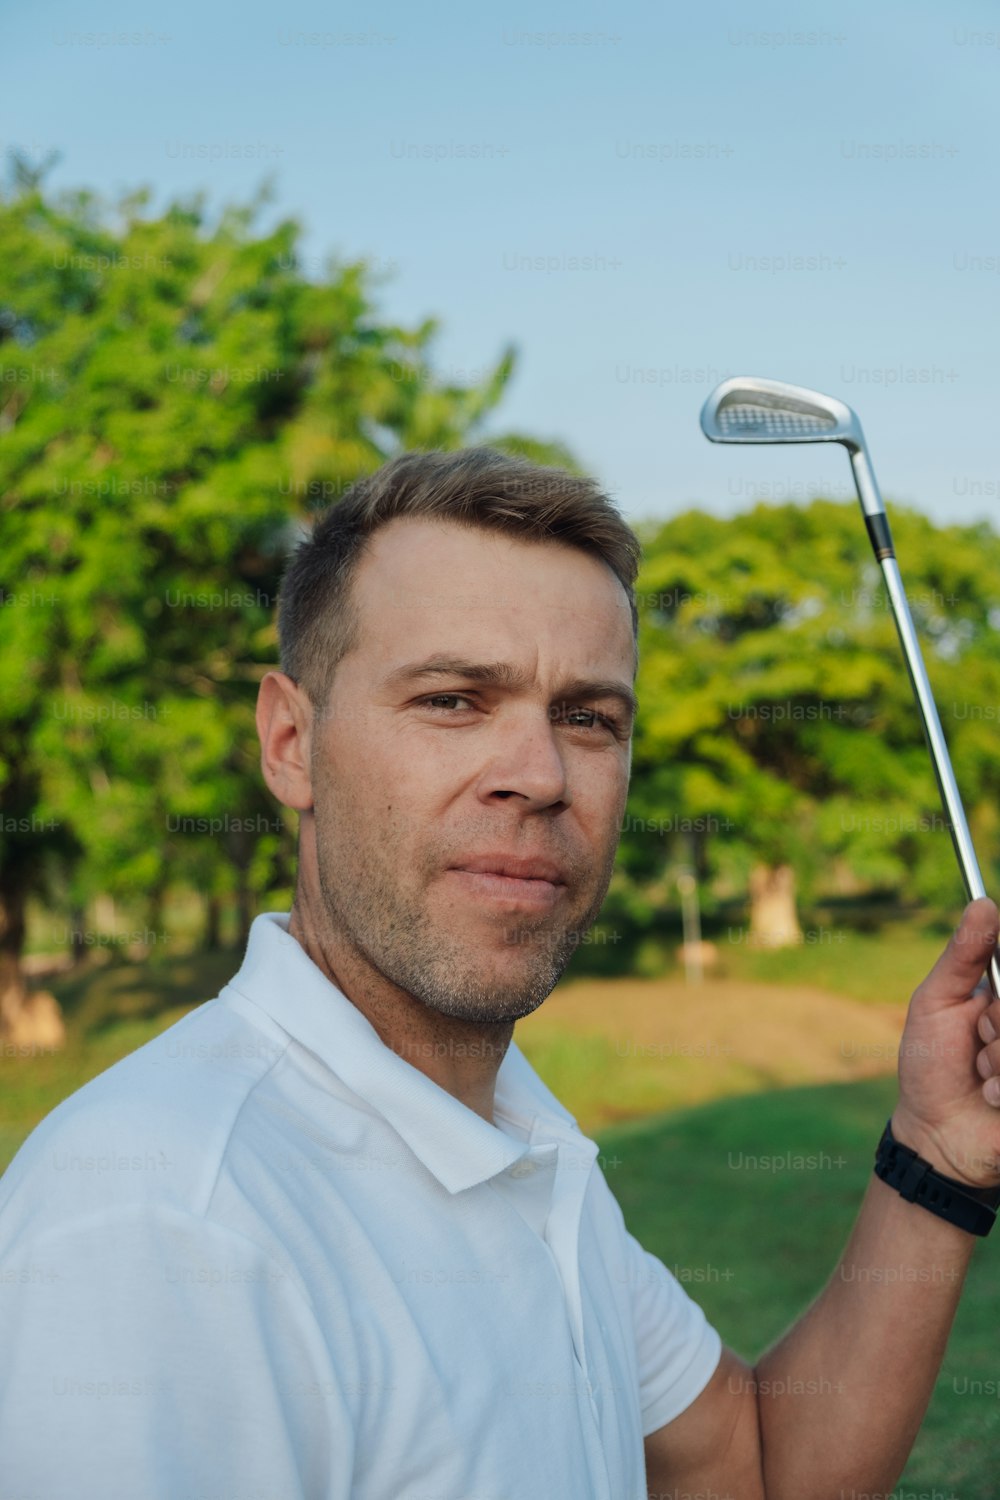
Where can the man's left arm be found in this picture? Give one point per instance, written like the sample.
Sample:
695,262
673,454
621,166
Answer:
836,1403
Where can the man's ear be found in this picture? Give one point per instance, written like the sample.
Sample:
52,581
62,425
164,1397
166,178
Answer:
284,726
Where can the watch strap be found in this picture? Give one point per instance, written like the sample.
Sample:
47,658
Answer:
972,1209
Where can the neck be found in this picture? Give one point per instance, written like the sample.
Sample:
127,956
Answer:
461,1057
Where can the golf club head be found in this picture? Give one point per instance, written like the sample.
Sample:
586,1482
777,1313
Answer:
749,409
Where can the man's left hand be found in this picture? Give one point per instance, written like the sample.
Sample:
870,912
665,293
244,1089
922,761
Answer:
949,1058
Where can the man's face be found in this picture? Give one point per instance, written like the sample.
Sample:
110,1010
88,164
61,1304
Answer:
415,775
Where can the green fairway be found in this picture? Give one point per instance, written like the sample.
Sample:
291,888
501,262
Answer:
754,1247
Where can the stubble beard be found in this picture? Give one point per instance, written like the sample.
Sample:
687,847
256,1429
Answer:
393,929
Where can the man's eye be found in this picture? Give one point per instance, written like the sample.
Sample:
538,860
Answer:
591,719
447,697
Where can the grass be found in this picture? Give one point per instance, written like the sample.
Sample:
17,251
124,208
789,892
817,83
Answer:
878,967
755,1247
881,968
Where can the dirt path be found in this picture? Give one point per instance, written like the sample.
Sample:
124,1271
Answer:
617,1049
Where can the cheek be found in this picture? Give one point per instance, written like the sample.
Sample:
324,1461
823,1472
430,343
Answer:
602,784
383,770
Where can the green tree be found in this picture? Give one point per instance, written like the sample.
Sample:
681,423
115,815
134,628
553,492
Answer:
177,399
779,742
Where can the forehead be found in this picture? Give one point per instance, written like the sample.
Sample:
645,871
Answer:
429,582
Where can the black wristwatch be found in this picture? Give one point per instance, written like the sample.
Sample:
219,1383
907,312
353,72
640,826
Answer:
972,1209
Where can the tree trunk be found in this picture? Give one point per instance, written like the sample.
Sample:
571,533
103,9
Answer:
244,911
213,921
774,922
78,934
157,897
105,915
13,990
28,1022
153,939
239,848
699,856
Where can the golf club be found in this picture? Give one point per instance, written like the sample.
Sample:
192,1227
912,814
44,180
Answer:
748,409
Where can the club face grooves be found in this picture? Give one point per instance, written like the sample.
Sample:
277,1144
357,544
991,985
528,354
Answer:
750,409
744,421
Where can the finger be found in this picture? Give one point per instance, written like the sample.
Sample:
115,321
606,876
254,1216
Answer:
988,1061
988,1021
955,976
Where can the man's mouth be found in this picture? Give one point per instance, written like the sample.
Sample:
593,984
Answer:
501,877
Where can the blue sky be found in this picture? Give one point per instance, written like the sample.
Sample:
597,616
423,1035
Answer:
807,193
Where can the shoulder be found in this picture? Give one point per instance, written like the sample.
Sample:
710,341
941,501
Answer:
153,1128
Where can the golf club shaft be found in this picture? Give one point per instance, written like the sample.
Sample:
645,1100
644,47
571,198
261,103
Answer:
941,760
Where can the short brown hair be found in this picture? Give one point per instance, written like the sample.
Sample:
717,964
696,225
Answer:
319,621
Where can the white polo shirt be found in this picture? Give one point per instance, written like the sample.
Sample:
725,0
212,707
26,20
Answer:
264,1257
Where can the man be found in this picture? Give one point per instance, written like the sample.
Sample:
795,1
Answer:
330,1235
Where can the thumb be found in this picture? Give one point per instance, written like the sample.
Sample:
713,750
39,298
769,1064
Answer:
961,965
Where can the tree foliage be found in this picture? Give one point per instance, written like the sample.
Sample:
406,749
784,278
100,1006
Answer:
177,399
778,722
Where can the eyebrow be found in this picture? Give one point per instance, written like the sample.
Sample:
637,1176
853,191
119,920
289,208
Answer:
502,674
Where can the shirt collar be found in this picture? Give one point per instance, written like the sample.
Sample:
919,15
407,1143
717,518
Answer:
458,1146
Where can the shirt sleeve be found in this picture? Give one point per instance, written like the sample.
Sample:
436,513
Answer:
160,1355
677,1348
